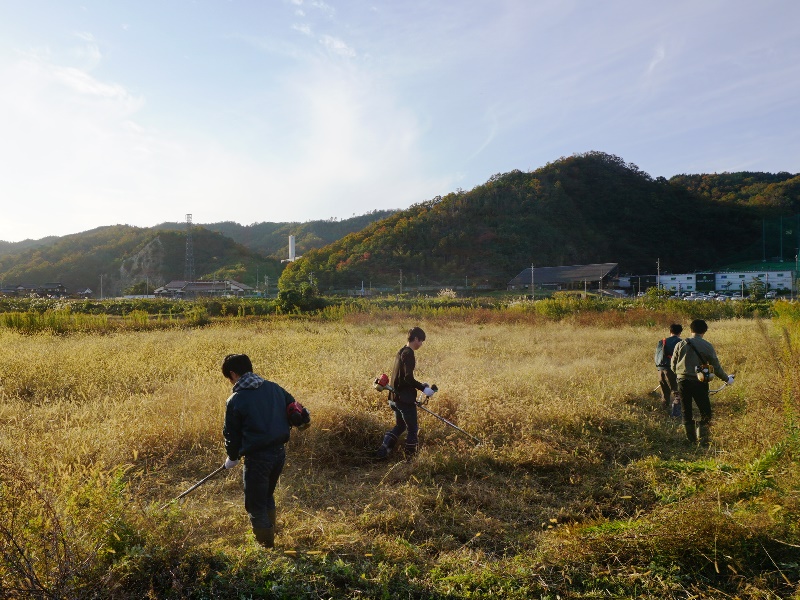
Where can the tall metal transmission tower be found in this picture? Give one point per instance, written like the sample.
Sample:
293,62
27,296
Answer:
188,270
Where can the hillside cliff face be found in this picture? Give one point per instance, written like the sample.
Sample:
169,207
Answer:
147,264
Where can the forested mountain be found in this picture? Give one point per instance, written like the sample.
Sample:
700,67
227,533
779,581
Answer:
126,255
272,239
587,208
16,247
778,194
149,257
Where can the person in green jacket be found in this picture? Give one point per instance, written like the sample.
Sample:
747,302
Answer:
688,357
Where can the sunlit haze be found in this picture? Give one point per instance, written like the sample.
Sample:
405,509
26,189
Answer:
296,110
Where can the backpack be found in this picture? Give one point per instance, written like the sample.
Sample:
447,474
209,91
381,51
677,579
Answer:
662,359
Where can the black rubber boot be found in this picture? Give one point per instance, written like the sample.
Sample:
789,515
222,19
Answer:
691,434
410,451
389,440
704,434
272,515
265,536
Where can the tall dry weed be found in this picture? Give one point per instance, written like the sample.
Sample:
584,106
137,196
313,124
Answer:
572,436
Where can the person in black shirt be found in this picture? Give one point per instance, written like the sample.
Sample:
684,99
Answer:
256,428
663,358
403,396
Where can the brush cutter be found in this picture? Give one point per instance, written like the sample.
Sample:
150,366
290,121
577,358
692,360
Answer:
719,389
422,402
382,383
194,487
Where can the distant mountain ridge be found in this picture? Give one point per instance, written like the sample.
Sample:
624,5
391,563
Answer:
583,209
125,255
587,208
272,239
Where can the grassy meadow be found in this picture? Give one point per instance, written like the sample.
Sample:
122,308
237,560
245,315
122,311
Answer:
582,487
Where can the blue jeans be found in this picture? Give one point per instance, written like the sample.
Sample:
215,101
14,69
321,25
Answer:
405,417
261,472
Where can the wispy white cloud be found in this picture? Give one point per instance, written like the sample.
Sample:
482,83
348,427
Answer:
88,53
105,164
302,28
388,107
658,57
337,46
325,8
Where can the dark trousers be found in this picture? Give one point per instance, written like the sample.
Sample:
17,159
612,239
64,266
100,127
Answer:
261,473
405,417
669,383
691,389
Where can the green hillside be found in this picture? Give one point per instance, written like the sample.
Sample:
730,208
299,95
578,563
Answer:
272,239
129,257
17,247
778,194
126,255
587,208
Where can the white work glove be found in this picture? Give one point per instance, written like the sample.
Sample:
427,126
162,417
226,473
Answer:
229,464
428,391
730,379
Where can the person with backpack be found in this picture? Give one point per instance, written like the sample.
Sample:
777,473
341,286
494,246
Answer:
663,359
258,416
695,361
403,397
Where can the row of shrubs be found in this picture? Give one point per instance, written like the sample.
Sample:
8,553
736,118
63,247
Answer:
61,316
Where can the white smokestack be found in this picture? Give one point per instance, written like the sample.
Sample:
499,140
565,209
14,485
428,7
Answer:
291,248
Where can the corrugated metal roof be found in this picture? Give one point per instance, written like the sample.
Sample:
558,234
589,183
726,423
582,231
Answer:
570,274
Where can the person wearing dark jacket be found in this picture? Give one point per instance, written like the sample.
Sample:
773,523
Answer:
256,429
689,356
403,396
663,359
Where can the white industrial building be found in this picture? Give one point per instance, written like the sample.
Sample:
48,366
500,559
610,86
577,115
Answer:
734,281
679,283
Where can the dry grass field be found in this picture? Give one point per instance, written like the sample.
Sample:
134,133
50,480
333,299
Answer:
582,486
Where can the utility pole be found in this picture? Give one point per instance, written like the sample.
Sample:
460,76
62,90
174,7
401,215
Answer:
533,290
101,286
658,273
401,281
266,285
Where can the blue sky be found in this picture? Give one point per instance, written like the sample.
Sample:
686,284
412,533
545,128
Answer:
142,111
